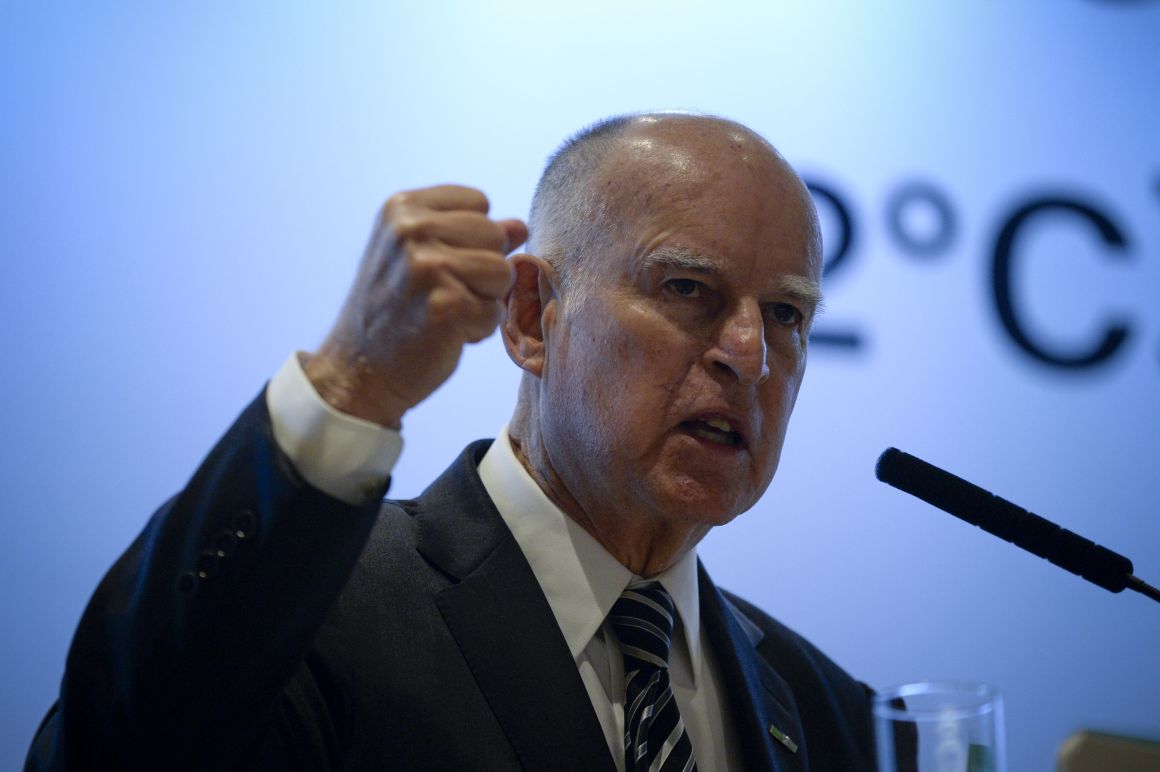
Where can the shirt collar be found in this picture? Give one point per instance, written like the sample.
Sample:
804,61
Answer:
580,579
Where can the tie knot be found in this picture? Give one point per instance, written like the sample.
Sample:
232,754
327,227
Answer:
643,620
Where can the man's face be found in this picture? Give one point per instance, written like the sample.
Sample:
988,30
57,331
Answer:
669,383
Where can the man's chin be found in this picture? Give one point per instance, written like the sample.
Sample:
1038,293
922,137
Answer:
701,504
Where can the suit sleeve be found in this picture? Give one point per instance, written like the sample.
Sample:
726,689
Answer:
184,657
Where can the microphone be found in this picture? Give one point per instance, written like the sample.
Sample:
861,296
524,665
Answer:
1009,522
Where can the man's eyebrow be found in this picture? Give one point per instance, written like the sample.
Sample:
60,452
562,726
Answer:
686,259
805,291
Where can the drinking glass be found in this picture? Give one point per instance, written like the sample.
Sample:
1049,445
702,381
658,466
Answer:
944,726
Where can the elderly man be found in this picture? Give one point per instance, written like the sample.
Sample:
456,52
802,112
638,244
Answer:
540,606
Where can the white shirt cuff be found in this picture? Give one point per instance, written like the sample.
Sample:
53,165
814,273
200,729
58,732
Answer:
339,454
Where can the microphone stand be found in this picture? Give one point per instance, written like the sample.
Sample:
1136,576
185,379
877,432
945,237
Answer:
1142,587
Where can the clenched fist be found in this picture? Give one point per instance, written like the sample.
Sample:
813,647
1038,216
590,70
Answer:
432,279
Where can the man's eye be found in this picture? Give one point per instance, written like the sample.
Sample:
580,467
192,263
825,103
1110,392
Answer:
785,313
687,288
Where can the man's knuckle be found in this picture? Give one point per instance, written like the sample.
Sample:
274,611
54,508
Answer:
410,227
425,257
393,205
422,268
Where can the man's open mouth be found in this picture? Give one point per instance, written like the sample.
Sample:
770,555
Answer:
715,430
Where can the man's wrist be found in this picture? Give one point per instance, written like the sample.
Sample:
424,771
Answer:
337,452
340,382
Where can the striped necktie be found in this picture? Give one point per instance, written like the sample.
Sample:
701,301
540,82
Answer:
654,734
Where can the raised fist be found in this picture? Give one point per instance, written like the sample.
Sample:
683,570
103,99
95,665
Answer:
432,279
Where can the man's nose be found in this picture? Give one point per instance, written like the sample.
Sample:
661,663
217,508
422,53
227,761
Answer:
740,345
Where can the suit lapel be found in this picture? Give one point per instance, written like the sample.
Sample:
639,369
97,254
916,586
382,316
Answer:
762,706
499,617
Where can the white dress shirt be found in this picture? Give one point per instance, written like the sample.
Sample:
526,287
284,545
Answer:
347,457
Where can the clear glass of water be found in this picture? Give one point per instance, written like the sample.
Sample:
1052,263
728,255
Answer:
940,726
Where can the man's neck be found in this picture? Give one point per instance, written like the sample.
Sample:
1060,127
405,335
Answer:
644,549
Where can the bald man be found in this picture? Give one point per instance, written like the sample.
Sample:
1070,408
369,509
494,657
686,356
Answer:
540,606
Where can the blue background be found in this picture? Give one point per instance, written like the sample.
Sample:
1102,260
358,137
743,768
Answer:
184,193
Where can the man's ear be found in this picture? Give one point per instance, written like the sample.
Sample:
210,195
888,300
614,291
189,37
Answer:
532,304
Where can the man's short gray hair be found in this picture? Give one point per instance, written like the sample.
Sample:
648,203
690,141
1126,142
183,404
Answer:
568,224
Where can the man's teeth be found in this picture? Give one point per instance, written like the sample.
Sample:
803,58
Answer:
716,430
719,423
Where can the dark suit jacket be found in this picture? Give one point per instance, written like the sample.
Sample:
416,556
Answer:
258,623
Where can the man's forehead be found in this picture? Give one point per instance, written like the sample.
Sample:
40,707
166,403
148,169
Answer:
671,162
678,173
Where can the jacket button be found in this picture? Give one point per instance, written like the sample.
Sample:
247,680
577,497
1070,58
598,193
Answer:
245,524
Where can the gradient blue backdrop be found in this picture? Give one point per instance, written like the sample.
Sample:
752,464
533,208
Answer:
184,193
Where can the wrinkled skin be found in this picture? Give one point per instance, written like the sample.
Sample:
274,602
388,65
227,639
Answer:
700,312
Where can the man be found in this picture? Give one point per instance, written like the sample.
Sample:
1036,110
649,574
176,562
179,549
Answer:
274,616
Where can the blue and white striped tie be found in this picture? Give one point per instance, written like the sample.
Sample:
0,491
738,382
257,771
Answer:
654,734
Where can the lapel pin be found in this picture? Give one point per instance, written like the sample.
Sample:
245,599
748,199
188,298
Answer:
783,738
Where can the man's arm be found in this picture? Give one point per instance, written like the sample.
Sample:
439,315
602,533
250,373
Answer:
182,655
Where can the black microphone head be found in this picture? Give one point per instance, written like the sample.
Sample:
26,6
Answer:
912,475
887,467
